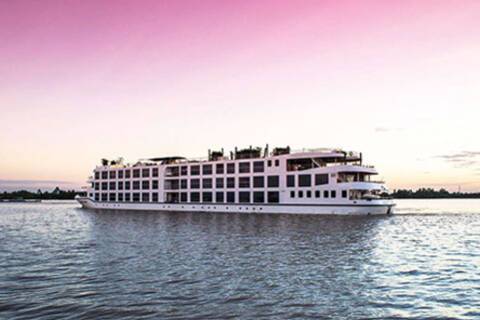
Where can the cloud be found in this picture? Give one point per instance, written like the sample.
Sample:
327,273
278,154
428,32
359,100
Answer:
387,129
463,159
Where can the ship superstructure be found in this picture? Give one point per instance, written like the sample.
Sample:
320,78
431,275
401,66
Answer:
314,181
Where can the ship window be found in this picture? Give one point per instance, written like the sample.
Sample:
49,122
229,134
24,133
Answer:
136,173
244,196
172,184
207,183
277,163
230,167
195,184
230,182
207,169
244,167
97,186
321,178
136,197
292,194
127,174
206,197
258,166
259,182
219,168
97,175
244,182
111,197
145,197
104,174
195,197
269,163
183,170
97,197
304,180
183,184
183,197
136,185
120,185
145,185
155,184
219,197
300,194
273,197
145,172
290,181
317,193
104,185
127,196
120,174
154,172
219,183
344,193
120,197
230,197
155,197
309,194
112,185
259,197
127,185
104,196
325,194
333,194
273,181
112,174
195,170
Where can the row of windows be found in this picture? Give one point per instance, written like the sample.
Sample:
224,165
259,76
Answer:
220,197
308,194
305,180
206,169
127,185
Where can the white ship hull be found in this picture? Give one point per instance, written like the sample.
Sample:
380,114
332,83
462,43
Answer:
373,208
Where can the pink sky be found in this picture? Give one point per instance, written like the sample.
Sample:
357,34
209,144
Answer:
398,80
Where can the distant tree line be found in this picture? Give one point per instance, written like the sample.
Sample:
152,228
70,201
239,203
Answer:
429,193
56,194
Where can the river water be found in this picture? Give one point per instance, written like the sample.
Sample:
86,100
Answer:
60,261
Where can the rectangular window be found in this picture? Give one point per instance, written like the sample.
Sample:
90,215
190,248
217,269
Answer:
207,169
112,185
127,197
244,197
259,182
230,167
258,197
112,174
184,170
317,193
304,180
230,182
183,184
136,173
309,194
230,197
136,185
145,197
344,193
258,166
207,183
273,196
97,197
120,197
300,194
155,184
155,197
127,185
195,184
127,174
145,185
183,197
120,185
325,194
333,194
219,197
97,175
277,163
145,173
244,167
97,186
195,197
172,184
104,174
206,197
155,173
219,168
136,197
111,197
269,163
321,178
290,181
219,183
172,171
120,174
195,170
244,182
104,185
104,196
273,181
292,194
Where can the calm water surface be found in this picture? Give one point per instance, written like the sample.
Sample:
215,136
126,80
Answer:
60,261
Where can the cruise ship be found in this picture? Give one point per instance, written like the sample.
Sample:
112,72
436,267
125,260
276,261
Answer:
251,180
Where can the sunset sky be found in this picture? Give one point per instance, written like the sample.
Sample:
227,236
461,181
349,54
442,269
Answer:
84,80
